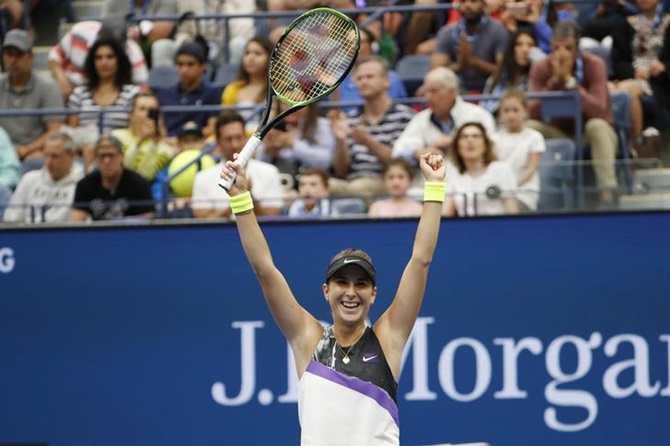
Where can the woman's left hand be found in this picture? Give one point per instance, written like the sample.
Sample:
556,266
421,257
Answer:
433,167
656,68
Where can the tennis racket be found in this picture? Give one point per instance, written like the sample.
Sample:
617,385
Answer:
310,60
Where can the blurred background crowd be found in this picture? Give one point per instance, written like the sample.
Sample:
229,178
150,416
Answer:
115,110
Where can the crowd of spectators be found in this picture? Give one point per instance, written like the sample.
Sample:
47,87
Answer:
75,163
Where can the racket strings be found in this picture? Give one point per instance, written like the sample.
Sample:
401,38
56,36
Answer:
313,57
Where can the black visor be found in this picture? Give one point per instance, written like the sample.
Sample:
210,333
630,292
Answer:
340,263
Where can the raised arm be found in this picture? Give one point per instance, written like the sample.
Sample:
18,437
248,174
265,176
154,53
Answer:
299,327
395,325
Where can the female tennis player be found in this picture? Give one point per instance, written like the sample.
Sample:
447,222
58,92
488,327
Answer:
348,371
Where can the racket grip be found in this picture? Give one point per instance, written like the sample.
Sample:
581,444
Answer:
243,158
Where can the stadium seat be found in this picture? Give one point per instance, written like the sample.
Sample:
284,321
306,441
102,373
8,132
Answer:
557,175
604,53
163,77
411,69
225,74
348,206
621,113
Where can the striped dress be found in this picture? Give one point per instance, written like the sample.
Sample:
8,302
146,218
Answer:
82,99
348,404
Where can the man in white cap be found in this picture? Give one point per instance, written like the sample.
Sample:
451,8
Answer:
21,88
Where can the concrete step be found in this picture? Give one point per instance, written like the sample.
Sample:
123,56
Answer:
63,28
650,180
41,61
647,202
87,9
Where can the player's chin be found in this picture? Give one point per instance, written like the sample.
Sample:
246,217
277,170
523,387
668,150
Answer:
350,310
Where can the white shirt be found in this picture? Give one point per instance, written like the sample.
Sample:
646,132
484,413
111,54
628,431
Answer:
421,131
515,149
470,193
38,198
265,187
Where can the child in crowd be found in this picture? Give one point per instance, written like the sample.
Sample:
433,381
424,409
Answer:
398,176
521,147
313,195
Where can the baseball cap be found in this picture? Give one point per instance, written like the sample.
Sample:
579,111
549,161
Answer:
192,49
350,260
190,128
19,39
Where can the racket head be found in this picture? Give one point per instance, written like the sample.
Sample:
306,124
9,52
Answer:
313,56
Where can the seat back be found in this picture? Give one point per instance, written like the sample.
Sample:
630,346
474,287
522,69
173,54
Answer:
604,53
347,206
559,106
411,70
557,174
164,76
621,102
225,74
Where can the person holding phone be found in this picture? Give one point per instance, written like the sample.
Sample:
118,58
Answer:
526,16
145,149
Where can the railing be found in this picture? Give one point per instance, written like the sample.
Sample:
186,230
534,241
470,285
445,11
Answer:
570,105
553,198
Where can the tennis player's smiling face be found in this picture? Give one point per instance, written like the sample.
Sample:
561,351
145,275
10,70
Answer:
350,293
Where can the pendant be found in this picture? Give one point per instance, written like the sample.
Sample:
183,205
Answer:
345,360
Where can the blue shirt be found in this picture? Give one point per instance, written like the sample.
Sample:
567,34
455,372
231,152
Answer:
349,92
489,41
202,95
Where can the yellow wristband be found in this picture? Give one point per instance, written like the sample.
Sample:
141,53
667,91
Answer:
434,191
241,204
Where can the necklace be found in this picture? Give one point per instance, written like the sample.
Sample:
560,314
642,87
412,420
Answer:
345,355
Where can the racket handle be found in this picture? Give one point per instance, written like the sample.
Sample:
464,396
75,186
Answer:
242,159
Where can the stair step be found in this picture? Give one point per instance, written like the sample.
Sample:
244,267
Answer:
645,202
653,179
63,28
87,9
41,60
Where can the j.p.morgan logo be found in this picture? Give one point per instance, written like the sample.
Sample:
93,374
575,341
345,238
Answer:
570,405
7,261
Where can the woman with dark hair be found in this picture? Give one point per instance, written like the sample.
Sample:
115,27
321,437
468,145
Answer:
250,87
513,73
109,84
640,62
480,184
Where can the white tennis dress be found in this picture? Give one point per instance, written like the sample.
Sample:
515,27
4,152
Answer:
348,404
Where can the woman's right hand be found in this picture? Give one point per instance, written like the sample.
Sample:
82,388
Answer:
241,183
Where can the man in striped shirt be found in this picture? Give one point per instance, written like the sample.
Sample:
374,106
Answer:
365,137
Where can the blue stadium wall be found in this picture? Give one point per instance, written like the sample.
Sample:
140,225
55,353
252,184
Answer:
545,331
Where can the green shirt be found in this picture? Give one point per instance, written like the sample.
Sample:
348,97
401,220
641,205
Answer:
148,158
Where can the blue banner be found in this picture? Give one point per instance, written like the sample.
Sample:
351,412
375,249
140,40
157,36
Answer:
544,330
